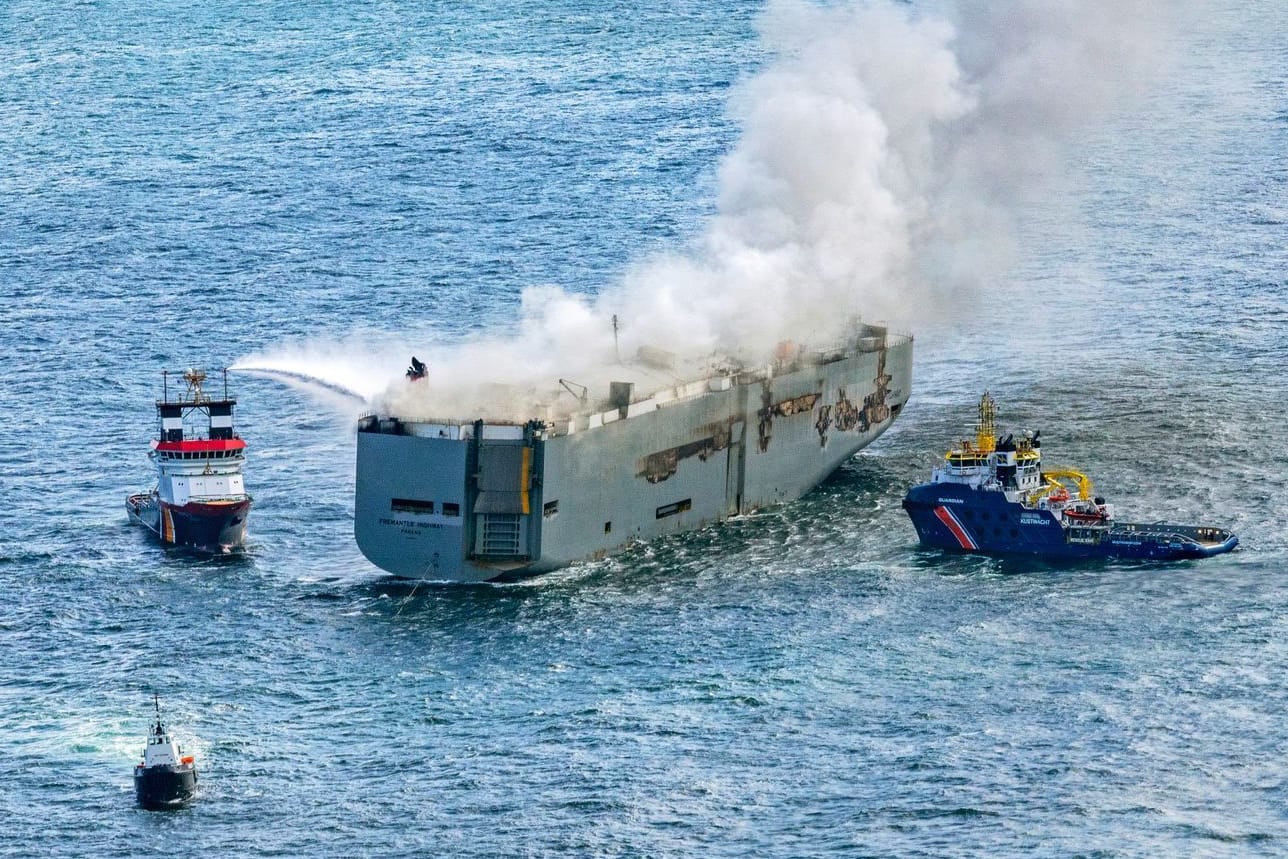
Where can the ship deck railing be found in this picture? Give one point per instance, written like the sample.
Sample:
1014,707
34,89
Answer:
872,338
198,436
453,429
1166,532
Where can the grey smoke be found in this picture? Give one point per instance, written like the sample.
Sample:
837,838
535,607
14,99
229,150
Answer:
884,154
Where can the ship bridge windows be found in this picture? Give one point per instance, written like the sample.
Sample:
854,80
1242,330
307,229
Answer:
190,455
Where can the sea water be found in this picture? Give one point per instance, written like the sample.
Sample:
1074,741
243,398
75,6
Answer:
185,183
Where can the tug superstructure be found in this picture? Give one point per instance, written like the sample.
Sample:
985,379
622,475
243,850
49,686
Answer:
200,496
994,496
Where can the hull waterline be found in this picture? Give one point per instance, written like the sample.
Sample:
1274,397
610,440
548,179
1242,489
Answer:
959,519
218,527
165,787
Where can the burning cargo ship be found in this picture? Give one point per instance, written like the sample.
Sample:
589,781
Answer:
473,498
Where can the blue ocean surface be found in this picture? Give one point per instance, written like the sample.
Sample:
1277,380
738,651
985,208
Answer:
191,183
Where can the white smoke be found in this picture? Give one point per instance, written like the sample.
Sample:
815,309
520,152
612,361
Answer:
341,375
822,199
885,151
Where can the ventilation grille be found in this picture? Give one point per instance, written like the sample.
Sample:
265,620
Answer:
501,534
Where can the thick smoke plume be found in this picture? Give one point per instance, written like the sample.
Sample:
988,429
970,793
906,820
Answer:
884,153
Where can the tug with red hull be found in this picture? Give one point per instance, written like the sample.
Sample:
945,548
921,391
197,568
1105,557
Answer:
994,496
200,499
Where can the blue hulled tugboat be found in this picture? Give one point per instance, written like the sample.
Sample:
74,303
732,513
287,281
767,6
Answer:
994,496
166,778
200,498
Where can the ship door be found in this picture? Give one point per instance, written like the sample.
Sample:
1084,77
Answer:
502,507
735,471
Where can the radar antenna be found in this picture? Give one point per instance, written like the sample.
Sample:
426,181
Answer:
194,378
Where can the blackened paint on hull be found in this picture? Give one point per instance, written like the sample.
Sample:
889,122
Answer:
961,518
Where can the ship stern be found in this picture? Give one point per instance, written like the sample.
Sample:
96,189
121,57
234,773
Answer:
409,502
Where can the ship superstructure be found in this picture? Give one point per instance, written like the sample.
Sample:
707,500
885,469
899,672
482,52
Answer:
200,496
469,499
995,496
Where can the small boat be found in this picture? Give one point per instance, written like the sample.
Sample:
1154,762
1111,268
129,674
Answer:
200,498
165,778
994,496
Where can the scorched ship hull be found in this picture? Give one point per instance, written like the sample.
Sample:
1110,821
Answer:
472,501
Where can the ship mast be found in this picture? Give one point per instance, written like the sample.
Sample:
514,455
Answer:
194,378
986,429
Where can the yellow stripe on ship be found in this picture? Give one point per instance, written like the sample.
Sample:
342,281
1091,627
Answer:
523,479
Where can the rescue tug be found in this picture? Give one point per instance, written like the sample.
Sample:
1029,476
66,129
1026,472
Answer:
165,778
200,499
994,496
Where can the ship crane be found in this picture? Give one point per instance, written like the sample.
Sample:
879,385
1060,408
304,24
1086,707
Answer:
569,385
1053,476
